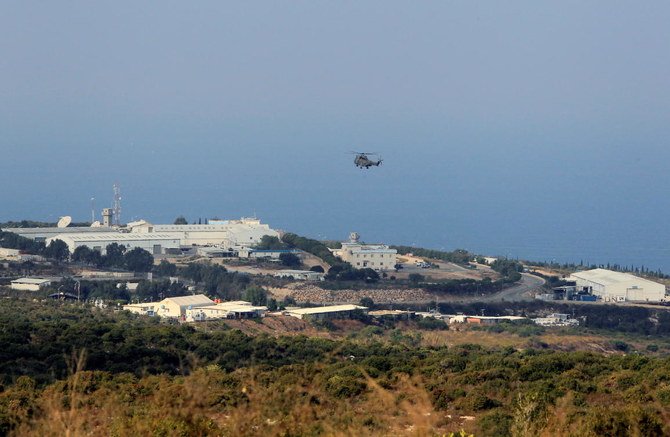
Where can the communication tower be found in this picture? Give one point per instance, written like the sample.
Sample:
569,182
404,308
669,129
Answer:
117,205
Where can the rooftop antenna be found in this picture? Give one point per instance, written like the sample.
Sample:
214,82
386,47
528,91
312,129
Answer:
117,205
92,210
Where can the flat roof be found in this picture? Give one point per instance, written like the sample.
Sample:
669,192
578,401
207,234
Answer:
390,313
275,250
237,308
326,309
141,305
37,281
52,230
119,236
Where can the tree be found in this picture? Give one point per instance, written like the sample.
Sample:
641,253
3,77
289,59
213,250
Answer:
114,255
367,302
181,220
256,295
317,269
309,245
415,278
290,259
57,250
269,242
345,272
82,254
165,269
139,260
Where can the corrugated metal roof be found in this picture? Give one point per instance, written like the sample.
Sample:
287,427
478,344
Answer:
608,277
197,299
72,230
112,236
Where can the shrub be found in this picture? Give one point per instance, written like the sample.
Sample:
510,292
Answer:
345,386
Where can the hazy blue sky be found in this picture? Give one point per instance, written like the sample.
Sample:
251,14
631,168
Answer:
531,129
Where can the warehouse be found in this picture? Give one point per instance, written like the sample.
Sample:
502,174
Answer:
156,244
43,234
226,234
32,284
613,286
171,307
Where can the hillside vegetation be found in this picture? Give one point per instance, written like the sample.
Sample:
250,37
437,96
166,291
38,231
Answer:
68,370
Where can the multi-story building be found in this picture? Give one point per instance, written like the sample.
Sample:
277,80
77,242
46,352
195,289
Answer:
374,256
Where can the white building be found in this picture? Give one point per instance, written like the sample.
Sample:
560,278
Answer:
225,310
374,256
42,234
268,254
618,287
300,275
226,234
556,319
171,307
153,243
32,284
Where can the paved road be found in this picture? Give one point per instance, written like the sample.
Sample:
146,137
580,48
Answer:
518,293
521,291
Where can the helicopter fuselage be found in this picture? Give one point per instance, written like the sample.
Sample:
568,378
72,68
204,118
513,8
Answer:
362,161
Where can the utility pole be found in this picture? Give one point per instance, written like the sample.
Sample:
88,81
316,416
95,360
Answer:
117,204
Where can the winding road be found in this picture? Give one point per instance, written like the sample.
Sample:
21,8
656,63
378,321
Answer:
520,292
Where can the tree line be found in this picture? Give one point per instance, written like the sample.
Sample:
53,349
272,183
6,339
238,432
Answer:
141,374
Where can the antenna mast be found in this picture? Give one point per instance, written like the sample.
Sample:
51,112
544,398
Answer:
117,205
92,210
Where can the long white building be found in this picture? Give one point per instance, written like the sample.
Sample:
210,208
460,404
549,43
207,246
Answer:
158,239
227,234
43,234
618,287
155,243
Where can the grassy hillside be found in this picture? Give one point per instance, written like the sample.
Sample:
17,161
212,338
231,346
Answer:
69,370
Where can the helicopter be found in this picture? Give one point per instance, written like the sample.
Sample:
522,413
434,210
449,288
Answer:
362,160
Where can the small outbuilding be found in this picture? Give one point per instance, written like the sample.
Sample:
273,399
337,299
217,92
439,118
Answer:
326,312
300,275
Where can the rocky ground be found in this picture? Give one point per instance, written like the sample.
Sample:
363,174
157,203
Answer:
306,292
